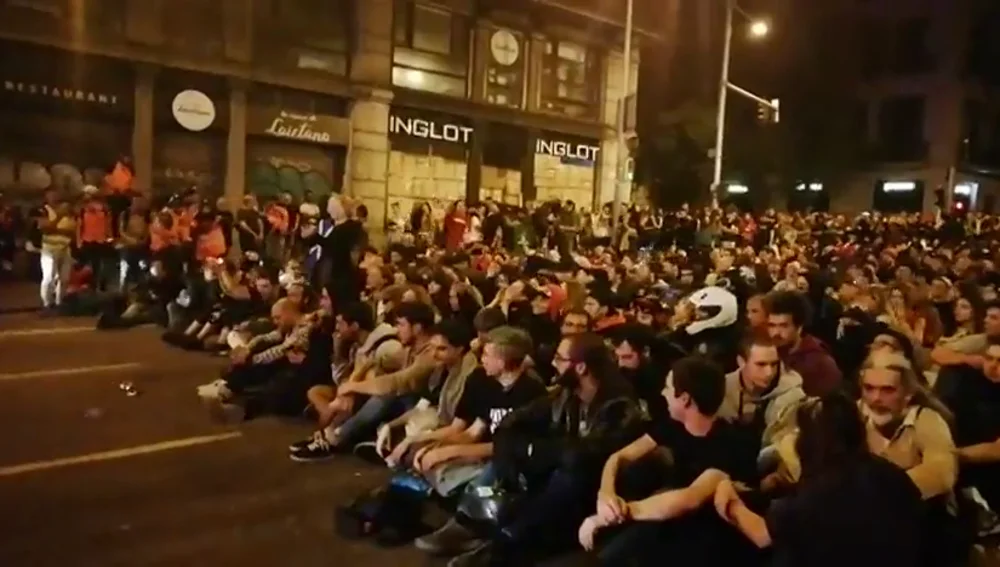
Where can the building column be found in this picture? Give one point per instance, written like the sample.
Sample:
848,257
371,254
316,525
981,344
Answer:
367,174
474,162
236,144
529,189
142,128
605,176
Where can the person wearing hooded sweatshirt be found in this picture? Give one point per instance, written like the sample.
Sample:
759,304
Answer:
762,394
788,314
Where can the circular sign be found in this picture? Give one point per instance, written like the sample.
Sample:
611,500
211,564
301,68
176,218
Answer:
505,47
193,110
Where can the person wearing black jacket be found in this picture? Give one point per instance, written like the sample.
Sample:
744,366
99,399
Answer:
550,454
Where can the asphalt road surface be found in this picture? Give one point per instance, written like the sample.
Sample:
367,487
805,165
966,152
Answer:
91,476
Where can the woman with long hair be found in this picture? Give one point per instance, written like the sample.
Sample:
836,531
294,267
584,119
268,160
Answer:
851,507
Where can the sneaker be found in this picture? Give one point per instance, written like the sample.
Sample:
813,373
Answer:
450,539
304,444
481,556
317,451
215,390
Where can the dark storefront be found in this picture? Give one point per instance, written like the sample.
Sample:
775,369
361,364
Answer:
189,142
64,118
296,143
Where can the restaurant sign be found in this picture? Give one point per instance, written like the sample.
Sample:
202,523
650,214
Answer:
62,92
300,126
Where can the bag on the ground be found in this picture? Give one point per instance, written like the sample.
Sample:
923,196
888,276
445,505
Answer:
392,513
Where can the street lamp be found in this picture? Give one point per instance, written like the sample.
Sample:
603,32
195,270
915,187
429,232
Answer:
758,29
621,163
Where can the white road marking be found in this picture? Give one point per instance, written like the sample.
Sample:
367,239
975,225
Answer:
117,454
42,332
69,371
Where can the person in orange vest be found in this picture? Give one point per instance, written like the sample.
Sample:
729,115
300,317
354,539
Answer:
210,241
163,240
118,187
279,227
94,237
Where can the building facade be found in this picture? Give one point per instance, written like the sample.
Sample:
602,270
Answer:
392,101
928,105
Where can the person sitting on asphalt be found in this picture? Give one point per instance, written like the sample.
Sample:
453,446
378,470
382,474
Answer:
385,396
851,508
633,526
262,362
907,425
762,394
550,453
459,451
355,330
438,404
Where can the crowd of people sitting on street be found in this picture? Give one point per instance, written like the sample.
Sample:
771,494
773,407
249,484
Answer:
712,387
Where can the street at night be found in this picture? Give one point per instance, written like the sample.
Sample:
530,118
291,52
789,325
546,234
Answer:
92,476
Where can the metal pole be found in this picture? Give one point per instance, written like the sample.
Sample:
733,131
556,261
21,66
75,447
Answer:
720,120
620,173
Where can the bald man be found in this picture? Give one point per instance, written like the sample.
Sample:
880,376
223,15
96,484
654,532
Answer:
265,358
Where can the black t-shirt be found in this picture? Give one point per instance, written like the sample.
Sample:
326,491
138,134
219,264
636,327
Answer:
867,515
486,399
728,447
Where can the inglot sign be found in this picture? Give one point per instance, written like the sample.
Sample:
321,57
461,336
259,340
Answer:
461,134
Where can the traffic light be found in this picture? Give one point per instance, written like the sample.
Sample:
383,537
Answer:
939,197
769,113
763,113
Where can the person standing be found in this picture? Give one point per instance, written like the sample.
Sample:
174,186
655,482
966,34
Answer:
58,228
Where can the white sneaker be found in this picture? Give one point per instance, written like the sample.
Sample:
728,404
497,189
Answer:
217,390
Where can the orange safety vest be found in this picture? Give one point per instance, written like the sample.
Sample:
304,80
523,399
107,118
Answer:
119,180
277,217
211,244
160,237
94,224
182,224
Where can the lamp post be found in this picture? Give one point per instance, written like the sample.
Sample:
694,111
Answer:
621,162
757,30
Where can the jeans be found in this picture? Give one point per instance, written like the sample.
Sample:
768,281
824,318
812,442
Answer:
56,266
373,412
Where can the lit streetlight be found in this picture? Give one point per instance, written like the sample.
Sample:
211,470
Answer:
758,29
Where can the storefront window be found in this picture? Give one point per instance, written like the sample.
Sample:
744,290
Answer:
303,34
195,27
431,49
571,79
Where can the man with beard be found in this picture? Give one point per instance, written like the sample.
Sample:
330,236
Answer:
907,426
788,315
632,344
551,451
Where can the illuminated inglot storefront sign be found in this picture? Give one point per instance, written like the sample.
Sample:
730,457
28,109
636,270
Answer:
461,134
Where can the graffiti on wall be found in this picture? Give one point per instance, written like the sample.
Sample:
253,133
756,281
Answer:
267,178
275,167
27,177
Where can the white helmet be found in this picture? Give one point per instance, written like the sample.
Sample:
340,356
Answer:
718,301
